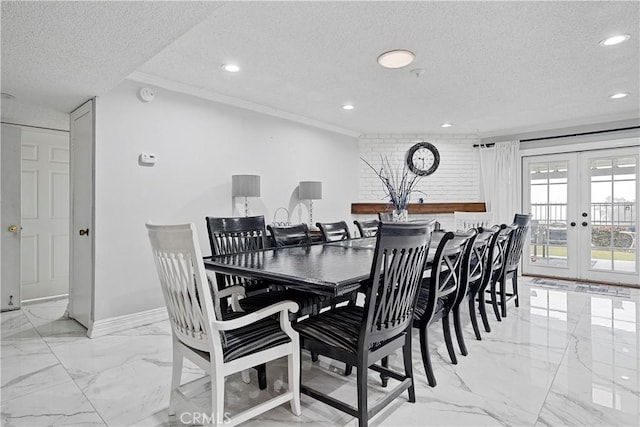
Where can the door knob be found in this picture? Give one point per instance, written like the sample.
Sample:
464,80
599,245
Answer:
573,224
584,214
84,232
585,223
13,228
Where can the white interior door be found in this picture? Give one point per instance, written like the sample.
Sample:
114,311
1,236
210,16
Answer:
584,215
82,216
10,219
45,213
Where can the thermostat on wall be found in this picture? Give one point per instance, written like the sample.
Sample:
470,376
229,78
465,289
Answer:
147,159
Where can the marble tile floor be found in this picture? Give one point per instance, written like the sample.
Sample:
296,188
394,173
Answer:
567,356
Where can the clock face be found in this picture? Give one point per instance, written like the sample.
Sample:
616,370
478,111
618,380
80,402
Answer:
423,158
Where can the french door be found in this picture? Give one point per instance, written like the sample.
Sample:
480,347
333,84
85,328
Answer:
584,210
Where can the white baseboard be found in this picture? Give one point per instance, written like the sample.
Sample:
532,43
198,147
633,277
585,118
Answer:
99,328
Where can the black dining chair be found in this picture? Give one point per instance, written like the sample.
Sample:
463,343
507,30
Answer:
361,336
470,270
513,254
481,269
367,228
438,293
290,235
334,231
230,235
498,260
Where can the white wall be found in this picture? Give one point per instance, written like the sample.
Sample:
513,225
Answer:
199,145
457,179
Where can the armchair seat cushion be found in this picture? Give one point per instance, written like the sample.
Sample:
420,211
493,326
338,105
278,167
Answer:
255,337
339,327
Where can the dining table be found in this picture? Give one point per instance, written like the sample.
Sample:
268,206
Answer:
330,268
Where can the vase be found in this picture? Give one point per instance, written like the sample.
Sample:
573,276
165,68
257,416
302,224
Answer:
400,215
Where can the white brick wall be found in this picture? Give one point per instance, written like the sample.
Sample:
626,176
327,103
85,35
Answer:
456,180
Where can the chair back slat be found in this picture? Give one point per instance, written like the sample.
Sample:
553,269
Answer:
516,242
469,220
445,270
334,231
470,269
400,254
235,235
477,261
184,283
367,228
292,235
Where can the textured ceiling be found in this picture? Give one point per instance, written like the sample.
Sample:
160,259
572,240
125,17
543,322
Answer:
56,55
490,67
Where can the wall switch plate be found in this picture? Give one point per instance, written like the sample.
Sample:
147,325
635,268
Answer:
147,159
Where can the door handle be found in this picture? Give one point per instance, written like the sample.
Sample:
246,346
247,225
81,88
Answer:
84,232
573,223
14,229
585,223
584,214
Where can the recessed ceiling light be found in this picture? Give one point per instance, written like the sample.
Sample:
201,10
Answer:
624,377
348,107
232,68
610,41
446,125
7,96
618,95
396,58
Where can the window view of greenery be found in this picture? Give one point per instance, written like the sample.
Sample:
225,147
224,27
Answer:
612,218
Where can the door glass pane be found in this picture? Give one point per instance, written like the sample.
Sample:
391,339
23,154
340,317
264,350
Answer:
548,189
613,214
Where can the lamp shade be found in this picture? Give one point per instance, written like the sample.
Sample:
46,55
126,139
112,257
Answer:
310,190
245,185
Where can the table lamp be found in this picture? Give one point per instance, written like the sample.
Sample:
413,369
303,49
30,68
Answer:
245,186
310,190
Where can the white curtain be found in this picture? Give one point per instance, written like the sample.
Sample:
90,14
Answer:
500,171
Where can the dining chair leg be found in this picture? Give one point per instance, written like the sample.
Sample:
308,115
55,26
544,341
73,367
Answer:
482,307
244,375
217,399
446,329
426,358
348,370
458,328
176,375
262,376
494,301
514,283
473,316
385,364
408,366
503,297
294,367
314,356
363,418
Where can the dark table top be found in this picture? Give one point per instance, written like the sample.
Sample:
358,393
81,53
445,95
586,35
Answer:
333,269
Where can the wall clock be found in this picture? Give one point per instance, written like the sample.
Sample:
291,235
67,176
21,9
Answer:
423,158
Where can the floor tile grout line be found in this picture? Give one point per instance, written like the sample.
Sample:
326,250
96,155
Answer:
65,368
570,340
